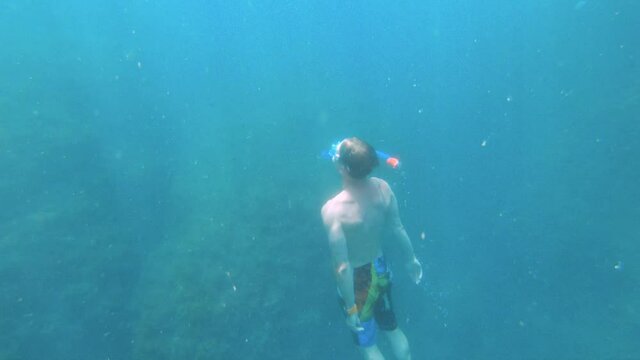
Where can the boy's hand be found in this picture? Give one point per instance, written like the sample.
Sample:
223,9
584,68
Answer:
415,270
353,322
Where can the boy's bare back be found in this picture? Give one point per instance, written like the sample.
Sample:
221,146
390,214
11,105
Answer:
363,216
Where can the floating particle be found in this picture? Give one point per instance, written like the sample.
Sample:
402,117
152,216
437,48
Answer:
423,235
233,286
484,143
618,266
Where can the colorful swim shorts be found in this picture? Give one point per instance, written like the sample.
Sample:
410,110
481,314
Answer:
372,287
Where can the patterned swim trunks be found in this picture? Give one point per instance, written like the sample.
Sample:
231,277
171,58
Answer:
372,287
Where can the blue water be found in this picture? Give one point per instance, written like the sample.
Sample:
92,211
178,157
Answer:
161,176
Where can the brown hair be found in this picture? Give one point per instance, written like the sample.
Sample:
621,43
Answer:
358,157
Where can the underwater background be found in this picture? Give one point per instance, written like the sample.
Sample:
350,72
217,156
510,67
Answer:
161,177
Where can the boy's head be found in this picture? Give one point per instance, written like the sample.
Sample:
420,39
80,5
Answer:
357,157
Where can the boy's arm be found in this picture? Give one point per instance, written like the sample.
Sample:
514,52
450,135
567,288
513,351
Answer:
399,234
341,266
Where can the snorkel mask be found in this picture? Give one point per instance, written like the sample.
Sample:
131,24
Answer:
334,154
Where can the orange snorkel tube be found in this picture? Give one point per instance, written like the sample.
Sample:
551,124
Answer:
390,160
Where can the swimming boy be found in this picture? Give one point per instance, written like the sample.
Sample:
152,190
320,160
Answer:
357,220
